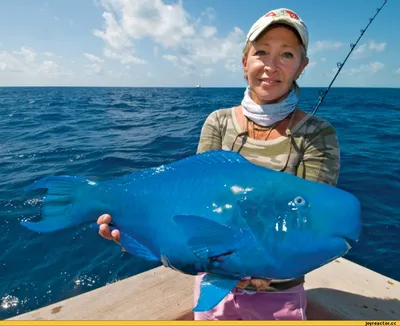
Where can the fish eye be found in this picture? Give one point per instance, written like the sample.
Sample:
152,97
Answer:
300,201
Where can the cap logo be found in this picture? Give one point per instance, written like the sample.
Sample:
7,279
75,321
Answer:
283,12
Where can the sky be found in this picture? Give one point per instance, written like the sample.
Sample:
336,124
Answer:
179,43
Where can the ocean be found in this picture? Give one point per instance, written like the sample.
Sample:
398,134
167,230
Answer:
103,133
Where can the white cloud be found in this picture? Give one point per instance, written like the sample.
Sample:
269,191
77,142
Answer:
215,49
165,24
123,57
170,28
187,61
24,62
208,72
209,14
188,71
184,64
93,58
9,63
114,36
360,50
28,53
377,47
93,69
171,58
311,65
364,49
233,66
48,54
320,46
128,21
369,68
49,67
208,31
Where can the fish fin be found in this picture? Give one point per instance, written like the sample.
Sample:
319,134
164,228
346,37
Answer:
212,157
207,238
62,205
137,249
213,289
247,210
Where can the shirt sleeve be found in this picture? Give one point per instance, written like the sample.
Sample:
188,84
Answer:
321,158
210,136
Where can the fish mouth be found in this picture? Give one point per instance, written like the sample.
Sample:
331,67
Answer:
349,246
350,243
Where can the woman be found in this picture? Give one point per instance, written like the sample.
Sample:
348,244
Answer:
269,130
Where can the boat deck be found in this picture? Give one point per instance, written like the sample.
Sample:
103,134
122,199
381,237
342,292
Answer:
340,290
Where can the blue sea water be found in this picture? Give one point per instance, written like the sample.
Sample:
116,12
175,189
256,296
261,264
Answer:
103,133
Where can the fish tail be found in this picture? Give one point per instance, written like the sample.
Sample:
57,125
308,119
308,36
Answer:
68,202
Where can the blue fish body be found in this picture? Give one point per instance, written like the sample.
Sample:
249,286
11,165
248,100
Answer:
213,212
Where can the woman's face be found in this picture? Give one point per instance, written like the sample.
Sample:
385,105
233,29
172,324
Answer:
273,62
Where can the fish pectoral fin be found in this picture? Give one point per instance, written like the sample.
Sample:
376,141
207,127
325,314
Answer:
137,249
207,238
213,289
247,210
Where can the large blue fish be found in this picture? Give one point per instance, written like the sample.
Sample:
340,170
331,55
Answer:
216,213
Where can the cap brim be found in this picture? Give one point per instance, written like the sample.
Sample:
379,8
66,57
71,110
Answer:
256,33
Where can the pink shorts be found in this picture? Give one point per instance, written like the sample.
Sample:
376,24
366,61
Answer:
284,305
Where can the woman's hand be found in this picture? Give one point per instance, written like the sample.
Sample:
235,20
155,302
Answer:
104,229
259,283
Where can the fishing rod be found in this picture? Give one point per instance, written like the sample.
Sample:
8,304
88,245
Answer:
340,65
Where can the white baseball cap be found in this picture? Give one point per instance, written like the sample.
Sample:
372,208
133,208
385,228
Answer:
283,16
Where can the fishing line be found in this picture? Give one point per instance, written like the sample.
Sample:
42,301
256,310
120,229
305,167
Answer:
340,65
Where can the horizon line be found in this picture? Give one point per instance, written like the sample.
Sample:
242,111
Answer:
194,87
